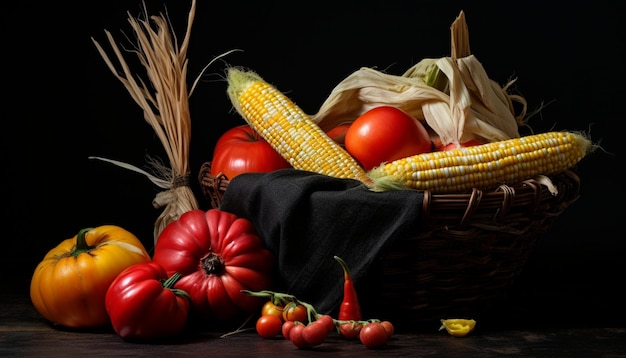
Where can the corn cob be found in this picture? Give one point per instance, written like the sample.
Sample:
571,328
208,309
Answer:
485,166
288,129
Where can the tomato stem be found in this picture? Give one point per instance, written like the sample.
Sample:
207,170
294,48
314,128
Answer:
213,264
171,281
81,242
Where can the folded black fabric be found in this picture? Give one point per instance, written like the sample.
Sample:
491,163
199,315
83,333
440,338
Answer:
306,218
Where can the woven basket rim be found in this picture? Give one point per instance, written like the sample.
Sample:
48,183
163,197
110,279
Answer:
461,208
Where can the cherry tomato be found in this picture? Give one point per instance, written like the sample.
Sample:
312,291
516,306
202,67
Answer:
315,333
269,326
373,335
384,134
286,329
296,337
241,149
269,308
350,330
328,322
295,312
388,327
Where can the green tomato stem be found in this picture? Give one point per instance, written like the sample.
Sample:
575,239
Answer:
81,243
171,281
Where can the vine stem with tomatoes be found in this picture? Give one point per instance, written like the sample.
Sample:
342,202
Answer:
312,314
284,299
372,333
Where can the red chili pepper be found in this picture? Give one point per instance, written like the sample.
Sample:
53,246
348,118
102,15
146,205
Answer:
350,308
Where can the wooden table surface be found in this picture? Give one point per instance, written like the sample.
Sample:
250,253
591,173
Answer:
24,333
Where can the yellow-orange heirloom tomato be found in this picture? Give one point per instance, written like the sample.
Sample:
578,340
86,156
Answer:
69,285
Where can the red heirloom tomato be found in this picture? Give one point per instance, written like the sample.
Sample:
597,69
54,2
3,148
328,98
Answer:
143,304
240,150
218,254
385,134
69,285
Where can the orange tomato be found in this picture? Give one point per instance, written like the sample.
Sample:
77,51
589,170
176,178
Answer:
295,312
69,285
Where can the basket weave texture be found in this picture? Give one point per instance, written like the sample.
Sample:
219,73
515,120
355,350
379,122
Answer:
469,251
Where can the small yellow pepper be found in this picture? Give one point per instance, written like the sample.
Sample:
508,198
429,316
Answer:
458,327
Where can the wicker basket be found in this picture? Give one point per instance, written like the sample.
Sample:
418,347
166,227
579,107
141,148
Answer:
472,247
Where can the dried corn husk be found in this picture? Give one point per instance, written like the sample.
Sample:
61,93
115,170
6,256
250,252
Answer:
454,96
166,109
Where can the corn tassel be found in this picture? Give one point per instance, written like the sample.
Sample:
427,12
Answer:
288,129
484,166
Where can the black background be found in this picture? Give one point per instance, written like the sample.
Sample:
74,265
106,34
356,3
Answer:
61,105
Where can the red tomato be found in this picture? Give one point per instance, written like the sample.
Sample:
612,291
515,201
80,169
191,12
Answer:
143,304
373,335
295,312
389,327
269,326
385,134
287,326
241,150
350,330
219,255
338,133
296,337
315,333
328,321
469,143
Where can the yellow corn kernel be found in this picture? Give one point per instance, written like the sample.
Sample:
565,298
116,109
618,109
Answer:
485,166
288,129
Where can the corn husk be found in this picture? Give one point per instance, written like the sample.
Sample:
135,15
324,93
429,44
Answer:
165,104
453,95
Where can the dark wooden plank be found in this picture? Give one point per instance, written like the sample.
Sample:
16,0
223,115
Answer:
24,333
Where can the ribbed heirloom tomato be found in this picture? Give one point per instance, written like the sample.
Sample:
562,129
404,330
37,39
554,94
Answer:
385,134
218,255
143,305
240,150
69,285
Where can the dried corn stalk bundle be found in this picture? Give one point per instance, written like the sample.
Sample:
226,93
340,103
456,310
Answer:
453,95
166,109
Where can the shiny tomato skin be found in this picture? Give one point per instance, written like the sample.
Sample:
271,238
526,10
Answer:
373,335
242,150
143,305
287,326
269,308
389,327
219,255
338,133
296,337
385,134
69,285
328,322
350,330
295,312
315,333
269,326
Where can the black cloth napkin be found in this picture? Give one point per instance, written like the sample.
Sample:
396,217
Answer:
306,219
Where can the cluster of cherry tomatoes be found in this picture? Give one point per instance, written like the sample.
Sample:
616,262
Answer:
295,320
